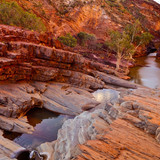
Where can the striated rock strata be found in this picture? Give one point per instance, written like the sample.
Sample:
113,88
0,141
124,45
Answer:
17,99
125,129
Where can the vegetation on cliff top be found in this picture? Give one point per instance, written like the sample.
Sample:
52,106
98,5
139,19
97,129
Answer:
12,14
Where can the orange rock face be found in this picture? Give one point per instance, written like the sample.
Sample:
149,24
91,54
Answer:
97,17
133,134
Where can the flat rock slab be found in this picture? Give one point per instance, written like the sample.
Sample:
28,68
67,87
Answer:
9,149
64,99
17,99
3,157
15,125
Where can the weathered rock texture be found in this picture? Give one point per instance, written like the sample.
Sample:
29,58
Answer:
10,33
17,99
15,125
94,16
9,149
20,60
127,129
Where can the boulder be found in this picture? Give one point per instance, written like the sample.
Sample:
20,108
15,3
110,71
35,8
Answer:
84,127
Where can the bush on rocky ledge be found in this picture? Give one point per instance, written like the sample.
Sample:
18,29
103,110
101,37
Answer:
84,37
12,14
68,40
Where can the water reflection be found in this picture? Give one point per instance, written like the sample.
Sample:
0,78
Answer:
46,125
148,71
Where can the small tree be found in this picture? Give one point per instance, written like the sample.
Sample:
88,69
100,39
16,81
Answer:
132,30
126,43
137,36
120,44
143,39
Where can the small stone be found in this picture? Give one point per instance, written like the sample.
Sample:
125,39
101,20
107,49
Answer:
135,105
127,105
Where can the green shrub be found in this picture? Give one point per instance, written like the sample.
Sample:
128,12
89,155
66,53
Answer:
68,40
84,37
12,14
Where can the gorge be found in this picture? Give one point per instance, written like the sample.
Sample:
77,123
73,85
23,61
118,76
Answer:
61,95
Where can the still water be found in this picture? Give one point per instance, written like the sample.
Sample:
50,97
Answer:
46,125
147,73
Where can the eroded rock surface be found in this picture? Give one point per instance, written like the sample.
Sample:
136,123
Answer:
15,125
21,60
127,129
121,129
17,99
9,149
